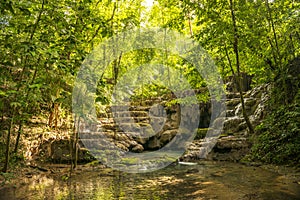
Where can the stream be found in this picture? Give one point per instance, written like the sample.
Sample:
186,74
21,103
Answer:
206,180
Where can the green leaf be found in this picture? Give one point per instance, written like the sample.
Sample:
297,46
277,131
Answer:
35,86
2,93
15,104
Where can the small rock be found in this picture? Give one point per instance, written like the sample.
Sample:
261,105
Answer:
138,148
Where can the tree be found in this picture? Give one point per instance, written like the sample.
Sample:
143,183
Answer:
238,75
43,44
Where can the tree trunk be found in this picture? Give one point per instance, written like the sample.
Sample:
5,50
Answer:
6,162
18,136
75,143
237,76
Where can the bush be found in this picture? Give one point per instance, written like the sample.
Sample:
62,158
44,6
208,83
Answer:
278,141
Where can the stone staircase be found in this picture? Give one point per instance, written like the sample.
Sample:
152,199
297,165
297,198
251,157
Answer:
149,125
136,127
233,143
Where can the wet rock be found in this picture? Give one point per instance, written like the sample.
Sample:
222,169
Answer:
153,143
167,136
232,95
230,113
226,149
141,140
249,102
242,126
137,148
157,123
231,142
259,113
231,124
233,102
230,149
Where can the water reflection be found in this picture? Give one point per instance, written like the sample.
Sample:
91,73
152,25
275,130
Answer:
203,181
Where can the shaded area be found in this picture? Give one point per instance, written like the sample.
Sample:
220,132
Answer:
207,180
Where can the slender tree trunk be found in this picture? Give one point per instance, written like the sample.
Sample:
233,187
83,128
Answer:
238,75
271,22
71,144
18,137
25,64
228,58
6,162
75,143
22,76
20,130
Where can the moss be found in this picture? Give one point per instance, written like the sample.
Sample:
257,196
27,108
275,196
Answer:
130,161
201,133
226,134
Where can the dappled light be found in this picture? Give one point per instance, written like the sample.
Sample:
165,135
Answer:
149,99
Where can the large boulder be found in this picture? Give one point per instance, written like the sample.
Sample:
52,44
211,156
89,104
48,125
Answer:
230,149
59,151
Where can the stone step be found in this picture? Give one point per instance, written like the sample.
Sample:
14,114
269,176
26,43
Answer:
124,108
104,115
141,121
119,108
127,113
130,114
151,99
231,103
230,113
106,120
140,108
250,101
232,95
148,103
233,124
129,127
132,120
110,136
221,150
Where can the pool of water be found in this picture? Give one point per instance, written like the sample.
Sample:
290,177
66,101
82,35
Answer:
207,180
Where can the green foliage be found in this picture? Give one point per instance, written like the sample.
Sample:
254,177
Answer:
287,84
149,91
65,177
279,136
201,133
43,44
202,97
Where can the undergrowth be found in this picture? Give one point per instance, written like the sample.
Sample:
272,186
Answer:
278,139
